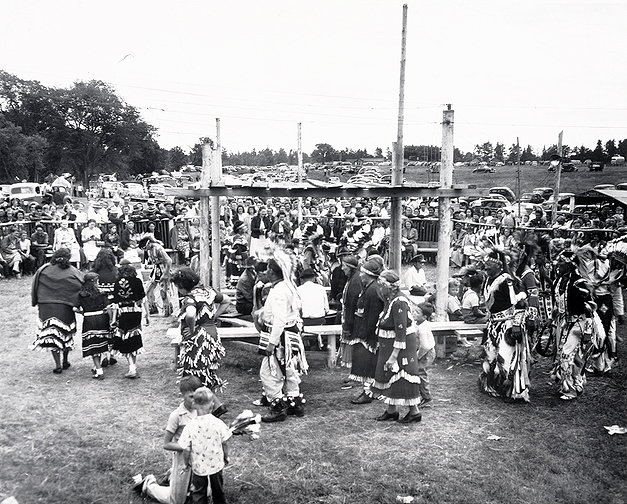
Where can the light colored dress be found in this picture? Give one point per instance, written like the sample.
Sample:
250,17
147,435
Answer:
89,237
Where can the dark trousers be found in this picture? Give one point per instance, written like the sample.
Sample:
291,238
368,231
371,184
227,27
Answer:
200,485
244,307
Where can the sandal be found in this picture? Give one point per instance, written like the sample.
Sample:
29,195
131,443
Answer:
58,370
66,365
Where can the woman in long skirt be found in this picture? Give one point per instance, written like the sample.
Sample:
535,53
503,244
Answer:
397,380
96,329
128,294
55,291
201,348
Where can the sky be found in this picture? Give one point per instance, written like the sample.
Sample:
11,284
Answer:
510,69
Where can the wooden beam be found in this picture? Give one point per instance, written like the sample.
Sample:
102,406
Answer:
345,191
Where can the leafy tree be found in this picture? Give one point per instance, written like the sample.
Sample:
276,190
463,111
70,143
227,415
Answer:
281,157
485,152
610,149
378,152
598,154
528,155
512,155
102,132
21,156
323,153
622,148
175,159
499,152
584,153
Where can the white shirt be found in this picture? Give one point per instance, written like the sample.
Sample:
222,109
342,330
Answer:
314,298
415,277
204,435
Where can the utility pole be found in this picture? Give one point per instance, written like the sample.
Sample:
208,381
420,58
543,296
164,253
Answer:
300,171
558,176
397,163
518,175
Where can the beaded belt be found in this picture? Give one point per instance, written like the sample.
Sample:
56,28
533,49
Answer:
502,315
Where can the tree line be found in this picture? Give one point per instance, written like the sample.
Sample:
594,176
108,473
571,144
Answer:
88,129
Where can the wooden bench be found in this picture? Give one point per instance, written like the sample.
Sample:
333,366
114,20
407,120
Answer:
445,334
440,331
233,320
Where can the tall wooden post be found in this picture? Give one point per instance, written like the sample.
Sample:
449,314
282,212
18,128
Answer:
397,162
558,176
300,171
444,205
205,219
216,179
518,191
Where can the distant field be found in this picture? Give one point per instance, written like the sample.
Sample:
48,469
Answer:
530,177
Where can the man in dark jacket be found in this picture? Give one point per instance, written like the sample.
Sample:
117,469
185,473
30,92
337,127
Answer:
244,297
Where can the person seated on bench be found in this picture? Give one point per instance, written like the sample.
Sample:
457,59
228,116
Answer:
415,279
244,297
453,305
472,310
314,299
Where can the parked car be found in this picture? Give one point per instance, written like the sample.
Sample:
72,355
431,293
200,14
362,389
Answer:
492,203
545,192
568,167
26,192
135,190
622,186
387,179
596,166
533,198
504,191
604,186
111,189
562,199
484,169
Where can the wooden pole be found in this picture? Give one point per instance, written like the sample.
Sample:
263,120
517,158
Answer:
205,219
300,171
444,205
216,179
397,162
518,176
558,176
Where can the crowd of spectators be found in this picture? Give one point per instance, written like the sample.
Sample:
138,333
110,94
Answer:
94,223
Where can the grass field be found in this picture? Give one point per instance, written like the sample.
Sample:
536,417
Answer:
71,439
530,177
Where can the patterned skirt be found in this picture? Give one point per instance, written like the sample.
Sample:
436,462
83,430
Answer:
96,333
200,356
128,335
400,388
56,327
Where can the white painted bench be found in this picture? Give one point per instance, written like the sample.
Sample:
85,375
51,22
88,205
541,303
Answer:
439,329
